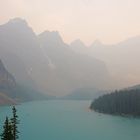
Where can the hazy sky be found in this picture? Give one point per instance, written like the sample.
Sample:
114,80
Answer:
108,20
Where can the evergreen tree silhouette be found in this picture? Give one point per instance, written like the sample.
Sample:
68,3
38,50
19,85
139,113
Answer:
14,123
7,131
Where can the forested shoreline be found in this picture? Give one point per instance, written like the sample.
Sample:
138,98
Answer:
123,102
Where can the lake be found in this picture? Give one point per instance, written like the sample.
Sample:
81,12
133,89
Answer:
70,120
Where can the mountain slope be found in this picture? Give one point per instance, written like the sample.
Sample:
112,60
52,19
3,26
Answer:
7,84
71,70
45,63
12,92
121,59
6,79
21,53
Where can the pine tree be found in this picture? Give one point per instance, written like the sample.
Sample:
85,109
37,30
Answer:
7,131
14,123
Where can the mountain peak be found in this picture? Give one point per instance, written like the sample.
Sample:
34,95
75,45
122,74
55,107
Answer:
77,42
18,21
16,27
97,43
51,36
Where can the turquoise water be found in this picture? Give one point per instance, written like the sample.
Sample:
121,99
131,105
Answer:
71,120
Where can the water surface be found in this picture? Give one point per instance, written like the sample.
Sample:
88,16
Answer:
70,120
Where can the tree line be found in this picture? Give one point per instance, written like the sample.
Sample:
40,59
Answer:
10,128
123,102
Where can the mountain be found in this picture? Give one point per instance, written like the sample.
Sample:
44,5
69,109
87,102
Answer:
121,59
7,84
22,55
70,70
11,92
6,79
78,46
45,64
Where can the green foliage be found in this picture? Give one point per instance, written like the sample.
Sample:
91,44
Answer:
7,130
14,122
124,102
10,129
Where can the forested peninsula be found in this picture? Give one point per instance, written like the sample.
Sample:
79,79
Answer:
123,102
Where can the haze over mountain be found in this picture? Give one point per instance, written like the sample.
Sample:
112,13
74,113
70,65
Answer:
121,59
7,85
84,94
7,81
71,70
46,63
11,92
20,51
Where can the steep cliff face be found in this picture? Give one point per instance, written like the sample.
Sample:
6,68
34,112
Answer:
6,79
11,91
7,85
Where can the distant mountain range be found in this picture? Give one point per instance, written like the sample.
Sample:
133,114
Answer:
45,63
70,70
121,59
